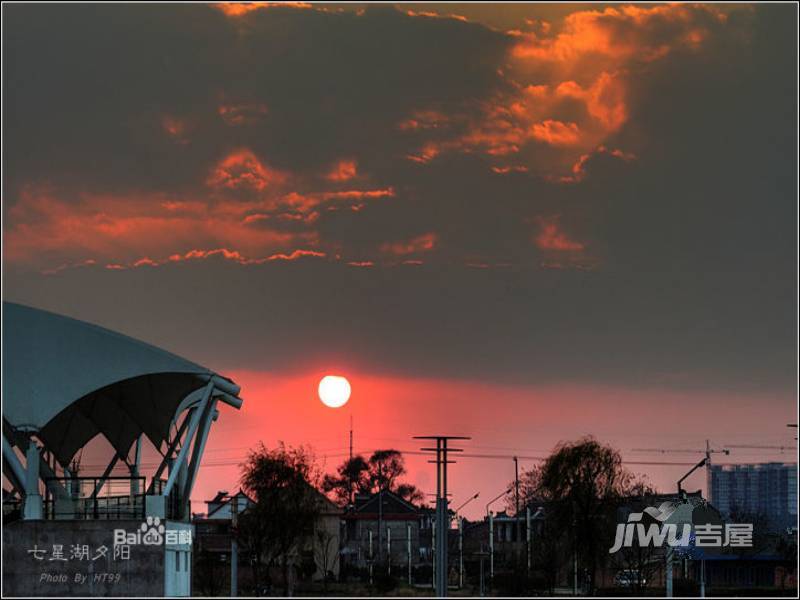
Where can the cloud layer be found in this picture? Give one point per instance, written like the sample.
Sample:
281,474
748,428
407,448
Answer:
633,164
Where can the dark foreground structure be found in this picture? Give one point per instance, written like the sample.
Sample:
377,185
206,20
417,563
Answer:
70,387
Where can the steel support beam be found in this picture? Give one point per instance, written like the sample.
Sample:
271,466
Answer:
193,425
170,450
210,415
105,474
33,509
15,471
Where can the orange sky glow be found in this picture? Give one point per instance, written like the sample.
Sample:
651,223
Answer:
502,421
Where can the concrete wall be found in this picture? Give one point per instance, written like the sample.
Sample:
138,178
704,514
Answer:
33,565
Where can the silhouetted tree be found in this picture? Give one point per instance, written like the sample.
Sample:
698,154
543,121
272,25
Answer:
382,471
352,477
643,562
581,482
286,508
410,493
385,468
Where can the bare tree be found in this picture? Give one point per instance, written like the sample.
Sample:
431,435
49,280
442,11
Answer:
326,553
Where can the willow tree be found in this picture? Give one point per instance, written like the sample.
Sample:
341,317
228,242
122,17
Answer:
581,484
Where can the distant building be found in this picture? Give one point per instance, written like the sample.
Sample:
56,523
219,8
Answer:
382,526
768,489
213,538
509,543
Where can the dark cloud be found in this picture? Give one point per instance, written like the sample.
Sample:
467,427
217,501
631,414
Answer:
657,249
90,87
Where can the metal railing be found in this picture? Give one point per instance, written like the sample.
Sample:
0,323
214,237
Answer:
94,498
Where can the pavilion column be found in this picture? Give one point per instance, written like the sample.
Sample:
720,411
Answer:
33,500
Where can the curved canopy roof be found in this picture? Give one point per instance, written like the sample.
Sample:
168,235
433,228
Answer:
70,380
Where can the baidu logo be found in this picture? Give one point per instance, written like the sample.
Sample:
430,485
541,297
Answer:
152,532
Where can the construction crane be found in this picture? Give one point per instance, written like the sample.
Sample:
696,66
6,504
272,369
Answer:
757,447
706,462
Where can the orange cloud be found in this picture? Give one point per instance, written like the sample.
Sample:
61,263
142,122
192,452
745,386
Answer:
551,237
344,170
241,169
604,100
193,255
435,15
297,254
578,171
236,115
423,243
175,128
423,120
556,132
89,262
502,170
426,154
358,194
621,33
569,87
361,263
121,228
239,9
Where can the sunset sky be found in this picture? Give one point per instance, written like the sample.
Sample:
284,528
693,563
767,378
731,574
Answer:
522,223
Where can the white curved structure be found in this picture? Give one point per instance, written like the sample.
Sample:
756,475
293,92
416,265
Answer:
67,381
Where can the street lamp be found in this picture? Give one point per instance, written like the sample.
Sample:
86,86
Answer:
467,501
496,498
460,523
491,529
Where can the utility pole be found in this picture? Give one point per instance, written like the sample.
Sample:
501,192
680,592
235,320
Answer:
371,560
516,485
668,574
703,578
442,518
234,546
708,469
460,552
481,555
350,463
408,547
528,538
491,547
380,524
574,554
516,505
434,549
575,572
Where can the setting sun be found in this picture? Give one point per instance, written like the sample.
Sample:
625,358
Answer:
334,391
